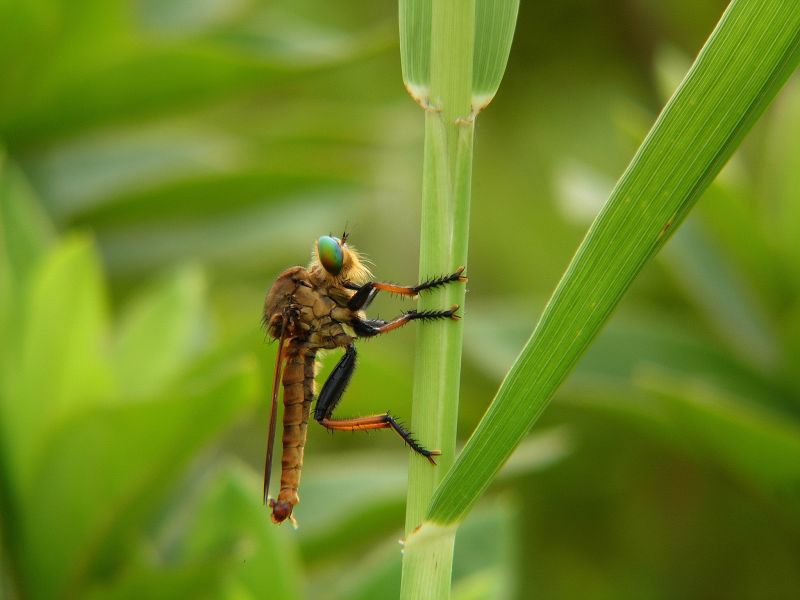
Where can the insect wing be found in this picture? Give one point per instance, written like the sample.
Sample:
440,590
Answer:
273,410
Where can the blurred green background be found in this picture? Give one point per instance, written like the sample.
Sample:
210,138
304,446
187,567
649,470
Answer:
162,161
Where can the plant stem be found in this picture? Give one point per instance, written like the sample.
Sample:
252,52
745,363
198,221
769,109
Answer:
443,247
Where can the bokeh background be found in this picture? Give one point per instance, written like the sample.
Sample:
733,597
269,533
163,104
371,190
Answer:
162,161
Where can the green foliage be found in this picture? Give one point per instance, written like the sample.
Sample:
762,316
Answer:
109,426
746,60
80,432
726,429
163,160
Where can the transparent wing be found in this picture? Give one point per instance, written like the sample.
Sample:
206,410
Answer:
273,411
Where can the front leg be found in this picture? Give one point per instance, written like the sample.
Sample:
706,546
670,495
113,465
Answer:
365,293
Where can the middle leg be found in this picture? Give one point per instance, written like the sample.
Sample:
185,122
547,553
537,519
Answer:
373,327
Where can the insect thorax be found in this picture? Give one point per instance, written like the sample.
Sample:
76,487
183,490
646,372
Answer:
315,310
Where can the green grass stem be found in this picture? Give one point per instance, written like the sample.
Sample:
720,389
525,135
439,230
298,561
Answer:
443,247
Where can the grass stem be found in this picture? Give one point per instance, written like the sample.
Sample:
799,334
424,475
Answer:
449,127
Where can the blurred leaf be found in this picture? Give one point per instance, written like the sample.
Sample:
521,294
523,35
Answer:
239,238
733,211
375,575
295,42
189,17
670,66
123,86
182,581
630,345
480,586
25,236
780,183
60,368
581,191
495,333
25,232
721,294
744,63
108,468
198,198
759,447
486,554
335,485
93,76
35,35
232,526
81,175
159,334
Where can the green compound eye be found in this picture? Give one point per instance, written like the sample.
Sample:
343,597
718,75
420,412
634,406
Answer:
330,254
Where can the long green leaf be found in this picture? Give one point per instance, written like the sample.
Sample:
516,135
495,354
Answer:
25,237
109,467
747,58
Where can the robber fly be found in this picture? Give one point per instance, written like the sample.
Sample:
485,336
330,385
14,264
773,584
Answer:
322,307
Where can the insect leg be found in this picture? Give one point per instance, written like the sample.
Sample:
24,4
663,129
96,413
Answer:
331,394
366,292
363,297
372,327
384,421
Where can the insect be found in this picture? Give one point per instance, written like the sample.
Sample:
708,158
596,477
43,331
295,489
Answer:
322,307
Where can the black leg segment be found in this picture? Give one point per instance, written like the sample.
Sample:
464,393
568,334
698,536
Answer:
331,394
385,421
373,327
363,297
334,386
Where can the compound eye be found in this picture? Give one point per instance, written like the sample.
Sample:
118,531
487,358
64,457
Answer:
330,254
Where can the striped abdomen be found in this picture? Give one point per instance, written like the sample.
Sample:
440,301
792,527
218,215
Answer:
298,392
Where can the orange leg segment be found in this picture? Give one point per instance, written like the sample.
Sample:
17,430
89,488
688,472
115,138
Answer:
385,421
366,292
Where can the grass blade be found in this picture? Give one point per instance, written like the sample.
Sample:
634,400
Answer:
415,46
494,23
493,37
